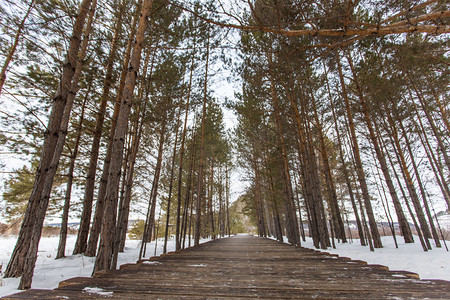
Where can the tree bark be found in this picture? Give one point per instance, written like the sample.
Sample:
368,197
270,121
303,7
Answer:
171,179
432,124
200,195
359,167
125,207
258,195
336,217
292,230
189,188
13,48
277,222
150,219
81,242
344,168
91,248
383,199
180,165
409,182
104,256
416,225
210,201
403,223
227,197
24,255
65,217
440,178
421,188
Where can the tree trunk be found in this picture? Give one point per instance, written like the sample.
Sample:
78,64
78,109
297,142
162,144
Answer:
416,225
421,188
403,223
13,48
359,167
440,178
210,202
180,166
276,213
313,170
227,197
150,219
122,220
199,202
292,230
65,217
24,255
258,197
129,140
344,168
366,228
81,242
171,180
221,224
188,203
312,199
442,110
297,199
336,217
309,173
293,233
409,182
125,205
383,199
91,248
432,124
104,256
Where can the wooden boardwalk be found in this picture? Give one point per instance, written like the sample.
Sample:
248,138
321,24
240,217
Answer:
247,267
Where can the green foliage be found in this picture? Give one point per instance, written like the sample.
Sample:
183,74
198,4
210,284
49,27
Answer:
137,230
17,191
237,223
242,215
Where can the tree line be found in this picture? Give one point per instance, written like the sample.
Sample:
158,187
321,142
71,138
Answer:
132,118
370,118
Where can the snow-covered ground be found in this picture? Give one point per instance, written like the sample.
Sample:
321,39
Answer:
434,264
50,271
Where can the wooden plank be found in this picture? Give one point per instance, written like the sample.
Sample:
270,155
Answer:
244,267
58,294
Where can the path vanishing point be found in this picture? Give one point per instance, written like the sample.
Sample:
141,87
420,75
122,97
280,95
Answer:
246,267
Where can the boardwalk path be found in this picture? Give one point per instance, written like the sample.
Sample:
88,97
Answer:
247,267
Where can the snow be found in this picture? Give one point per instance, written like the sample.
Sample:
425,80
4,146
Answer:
152,262
199,265
50,271
433,264
444,220
97,291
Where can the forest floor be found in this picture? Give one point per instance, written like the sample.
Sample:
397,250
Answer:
49,272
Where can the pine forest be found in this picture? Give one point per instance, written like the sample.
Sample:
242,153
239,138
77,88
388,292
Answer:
183,120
